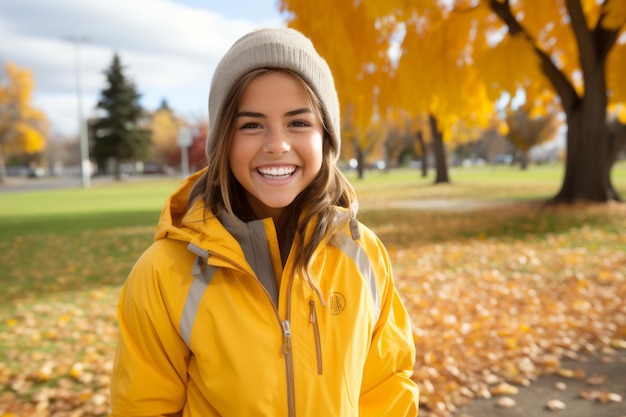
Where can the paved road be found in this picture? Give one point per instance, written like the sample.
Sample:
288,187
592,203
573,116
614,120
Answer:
17,184
531,401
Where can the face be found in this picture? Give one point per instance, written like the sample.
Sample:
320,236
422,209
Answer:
277,144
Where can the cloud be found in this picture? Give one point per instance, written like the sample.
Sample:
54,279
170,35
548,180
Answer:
168,49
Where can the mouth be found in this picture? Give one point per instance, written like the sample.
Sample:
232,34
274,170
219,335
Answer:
277,173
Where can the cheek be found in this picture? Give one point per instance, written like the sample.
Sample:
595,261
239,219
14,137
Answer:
239,157
240,151
317,152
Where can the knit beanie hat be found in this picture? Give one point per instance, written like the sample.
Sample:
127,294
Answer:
283,48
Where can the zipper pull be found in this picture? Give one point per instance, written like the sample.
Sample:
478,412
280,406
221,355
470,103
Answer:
286,337
312,309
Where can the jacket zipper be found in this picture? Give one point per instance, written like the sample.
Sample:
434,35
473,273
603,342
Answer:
286,329
289,368
316,335
291,392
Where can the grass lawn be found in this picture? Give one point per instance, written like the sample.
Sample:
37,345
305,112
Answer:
499,286
65,211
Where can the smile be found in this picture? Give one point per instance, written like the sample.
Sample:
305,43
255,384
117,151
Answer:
277,172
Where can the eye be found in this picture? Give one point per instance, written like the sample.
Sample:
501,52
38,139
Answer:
300,123
249,125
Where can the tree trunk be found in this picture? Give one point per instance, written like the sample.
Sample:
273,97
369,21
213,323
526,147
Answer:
588,163
420,139
117,170
523,163
360,162
3,170
440,153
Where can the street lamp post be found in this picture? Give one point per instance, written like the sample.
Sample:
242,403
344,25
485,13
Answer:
185,140
85,164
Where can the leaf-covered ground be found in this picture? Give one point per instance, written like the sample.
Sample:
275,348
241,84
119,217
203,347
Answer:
492,313
497,295
56,350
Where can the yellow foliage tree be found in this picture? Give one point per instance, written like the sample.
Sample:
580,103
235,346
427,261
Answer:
578,48
164,127
459,56
22,128
525,131
437,75
427,79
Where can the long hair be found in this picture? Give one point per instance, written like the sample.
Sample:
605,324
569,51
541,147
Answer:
220,191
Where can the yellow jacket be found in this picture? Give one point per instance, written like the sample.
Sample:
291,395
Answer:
200,335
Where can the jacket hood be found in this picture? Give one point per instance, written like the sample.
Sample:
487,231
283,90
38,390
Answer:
174,211
195,226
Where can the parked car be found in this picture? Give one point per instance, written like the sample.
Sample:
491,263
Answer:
17,171
155,168
503,159
37,172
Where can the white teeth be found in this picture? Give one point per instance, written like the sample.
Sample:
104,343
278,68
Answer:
277,172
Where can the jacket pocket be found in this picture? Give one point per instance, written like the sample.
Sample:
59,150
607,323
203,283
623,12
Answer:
316,336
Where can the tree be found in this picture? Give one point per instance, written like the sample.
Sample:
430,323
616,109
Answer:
459,57
418,131
119,135
525,131
197,150
435,77
574,43
566,49
426,79
22,127
164,126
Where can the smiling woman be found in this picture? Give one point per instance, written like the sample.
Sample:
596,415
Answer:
262,248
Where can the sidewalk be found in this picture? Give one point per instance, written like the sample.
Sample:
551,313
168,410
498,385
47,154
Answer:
532,401
18,184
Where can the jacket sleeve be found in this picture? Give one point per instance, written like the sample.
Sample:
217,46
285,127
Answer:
387,388
150,368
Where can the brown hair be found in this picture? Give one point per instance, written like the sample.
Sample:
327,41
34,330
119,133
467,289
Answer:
220,191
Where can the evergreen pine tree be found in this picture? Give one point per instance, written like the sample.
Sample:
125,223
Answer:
118,134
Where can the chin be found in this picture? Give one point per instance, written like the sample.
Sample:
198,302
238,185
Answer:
276,205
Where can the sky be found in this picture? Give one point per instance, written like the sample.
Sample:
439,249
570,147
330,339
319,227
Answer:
169,49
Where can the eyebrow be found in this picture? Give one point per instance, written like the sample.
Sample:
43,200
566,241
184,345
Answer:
261,115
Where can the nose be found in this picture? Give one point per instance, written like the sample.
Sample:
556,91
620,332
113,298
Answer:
276,141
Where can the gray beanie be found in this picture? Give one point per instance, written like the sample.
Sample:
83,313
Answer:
274,48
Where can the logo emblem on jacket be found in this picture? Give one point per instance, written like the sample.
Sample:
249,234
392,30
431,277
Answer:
336,303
